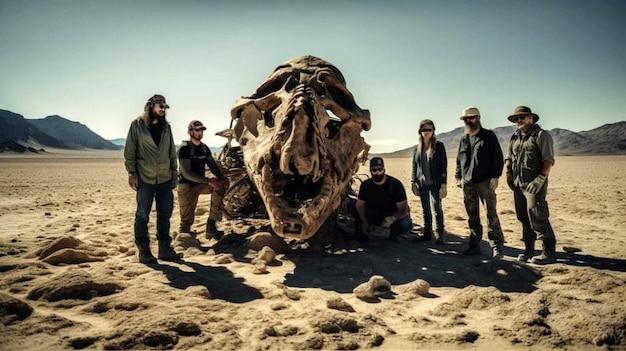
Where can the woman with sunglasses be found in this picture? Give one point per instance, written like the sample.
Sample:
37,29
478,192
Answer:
429,178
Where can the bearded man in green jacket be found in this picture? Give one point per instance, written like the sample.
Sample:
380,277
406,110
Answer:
150,159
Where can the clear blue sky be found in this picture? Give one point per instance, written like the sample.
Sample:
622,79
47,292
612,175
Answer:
97,62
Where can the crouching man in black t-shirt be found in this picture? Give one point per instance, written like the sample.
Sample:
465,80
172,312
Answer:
193,157
381,202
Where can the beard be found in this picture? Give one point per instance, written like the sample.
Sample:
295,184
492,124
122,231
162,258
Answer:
155,116
378,177
470,127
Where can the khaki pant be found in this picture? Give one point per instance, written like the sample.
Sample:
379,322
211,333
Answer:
188,199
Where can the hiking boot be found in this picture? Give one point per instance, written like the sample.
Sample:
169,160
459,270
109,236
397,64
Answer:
548,255
528,252
439,237
473,250
543,259
145,255
167,253
212,231
498,252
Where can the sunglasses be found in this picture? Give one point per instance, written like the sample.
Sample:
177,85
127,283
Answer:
426,130
469,118
163,106
516,119
377,170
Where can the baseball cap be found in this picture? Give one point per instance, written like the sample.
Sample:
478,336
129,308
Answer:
377,162
158,99
195,124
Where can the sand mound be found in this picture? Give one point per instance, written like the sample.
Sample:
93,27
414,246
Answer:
73,285
12,309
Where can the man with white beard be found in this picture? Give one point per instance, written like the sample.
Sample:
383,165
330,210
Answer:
479,164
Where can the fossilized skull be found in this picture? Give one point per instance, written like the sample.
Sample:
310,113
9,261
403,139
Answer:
299,155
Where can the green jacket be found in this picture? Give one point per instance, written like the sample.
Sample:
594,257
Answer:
153,164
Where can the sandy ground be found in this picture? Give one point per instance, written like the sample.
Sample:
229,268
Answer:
70,279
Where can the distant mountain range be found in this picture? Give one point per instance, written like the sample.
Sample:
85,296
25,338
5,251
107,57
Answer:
19,134
607,139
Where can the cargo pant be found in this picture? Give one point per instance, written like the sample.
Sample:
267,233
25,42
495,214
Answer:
188,194
473,194
532,211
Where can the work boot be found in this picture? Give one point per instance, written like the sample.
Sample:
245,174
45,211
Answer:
498,252
145,255
548,255
528,252
212,231
166,252
427,236
439,237
474,248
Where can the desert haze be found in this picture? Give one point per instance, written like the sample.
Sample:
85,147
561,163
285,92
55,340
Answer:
70,278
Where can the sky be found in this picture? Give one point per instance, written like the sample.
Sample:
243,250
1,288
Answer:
97,62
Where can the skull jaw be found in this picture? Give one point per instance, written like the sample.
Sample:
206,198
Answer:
298,221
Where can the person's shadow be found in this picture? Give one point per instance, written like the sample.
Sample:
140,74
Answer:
219,281
349,263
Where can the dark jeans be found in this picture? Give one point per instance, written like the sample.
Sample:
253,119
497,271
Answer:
532,211
429,195
376,217
473,194
146,193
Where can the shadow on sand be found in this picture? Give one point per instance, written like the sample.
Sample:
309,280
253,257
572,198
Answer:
350,263
218,280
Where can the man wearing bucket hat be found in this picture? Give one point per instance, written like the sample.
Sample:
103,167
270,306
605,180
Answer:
150,159
479,164
194,156
528,163
381,202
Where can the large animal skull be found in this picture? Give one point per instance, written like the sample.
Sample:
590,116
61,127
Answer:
299,156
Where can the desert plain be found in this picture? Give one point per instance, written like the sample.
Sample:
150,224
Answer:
70,278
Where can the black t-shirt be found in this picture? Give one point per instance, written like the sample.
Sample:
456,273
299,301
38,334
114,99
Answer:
155,130
384,196
198,160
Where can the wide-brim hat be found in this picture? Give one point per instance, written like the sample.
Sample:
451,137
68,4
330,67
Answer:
469,112
523,110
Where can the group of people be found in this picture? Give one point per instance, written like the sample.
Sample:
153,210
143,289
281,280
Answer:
382,200
152,163
155,168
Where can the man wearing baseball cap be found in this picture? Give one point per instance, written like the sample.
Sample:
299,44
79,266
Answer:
528,163
150,159
479,164
194,156
381,202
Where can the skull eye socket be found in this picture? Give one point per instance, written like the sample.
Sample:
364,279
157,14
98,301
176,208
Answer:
333,125
268,118
341,97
